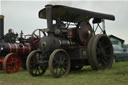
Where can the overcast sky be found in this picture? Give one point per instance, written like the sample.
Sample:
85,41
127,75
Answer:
23,15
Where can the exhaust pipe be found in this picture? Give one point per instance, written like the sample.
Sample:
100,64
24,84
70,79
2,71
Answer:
49,17
1,26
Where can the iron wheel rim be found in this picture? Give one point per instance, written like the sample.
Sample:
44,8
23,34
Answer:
59,63
12,63
33,66
102,52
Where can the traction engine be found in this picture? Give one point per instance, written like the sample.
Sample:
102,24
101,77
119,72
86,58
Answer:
72,42
13,54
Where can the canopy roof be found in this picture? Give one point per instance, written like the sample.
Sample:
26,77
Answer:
71,14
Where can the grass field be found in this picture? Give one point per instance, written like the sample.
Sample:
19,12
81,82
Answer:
118,75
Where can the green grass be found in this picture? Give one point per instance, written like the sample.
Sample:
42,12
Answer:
118,75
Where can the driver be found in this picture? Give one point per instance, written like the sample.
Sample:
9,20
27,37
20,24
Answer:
11,36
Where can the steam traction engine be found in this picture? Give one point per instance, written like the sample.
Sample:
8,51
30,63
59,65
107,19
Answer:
12,54
71,42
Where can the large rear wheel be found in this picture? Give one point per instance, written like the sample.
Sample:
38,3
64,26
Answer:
100,52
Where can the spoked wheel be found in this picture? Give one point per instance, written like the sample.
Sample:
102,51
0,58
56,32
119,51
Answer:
12,63
36,36
100,52
35,64
59,63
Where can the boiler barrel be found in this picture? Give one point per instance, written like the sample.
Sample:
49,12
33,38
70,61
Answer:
1,26
15,48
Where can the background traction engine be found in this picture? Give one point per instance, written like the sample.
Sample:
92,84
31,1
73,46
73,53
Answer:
12,61
13,55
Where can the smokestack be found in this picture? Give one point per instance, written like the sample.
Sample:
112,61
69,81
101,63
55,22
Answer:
49,17
1,26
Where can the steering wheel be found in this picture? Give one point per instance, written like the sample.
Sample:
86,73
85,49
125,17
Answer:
36,36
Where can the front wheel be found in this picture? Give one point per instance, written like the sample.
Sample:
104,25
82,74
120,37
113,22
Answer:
35,65
59,63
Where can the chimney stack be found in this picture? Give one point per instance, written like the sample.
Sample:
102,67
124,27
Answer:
49,17
1,26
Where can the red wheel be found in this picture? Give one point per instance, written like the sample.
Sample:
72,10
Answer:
36,36
12,63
